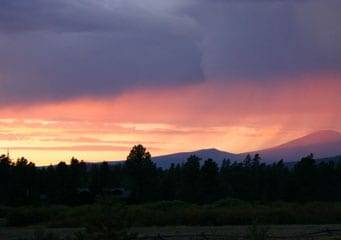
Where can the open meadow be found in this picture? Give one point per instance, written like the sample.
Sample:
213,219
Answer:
315,232
230,218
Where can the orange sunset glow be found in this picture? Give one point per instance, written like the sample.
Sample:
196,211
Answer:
171,120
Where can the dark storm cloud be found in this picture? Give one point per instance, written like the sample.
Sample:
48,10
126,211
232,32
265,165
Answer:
51,50
65,65
80,48
78,16
22,15
268,39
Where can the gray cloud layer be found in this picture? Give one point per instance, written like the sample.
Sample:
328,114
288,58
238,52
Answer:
52,50
76,48
265,39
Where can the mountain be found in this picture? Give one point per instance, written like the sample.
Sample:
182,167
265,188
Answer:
322,144
218,156
336,160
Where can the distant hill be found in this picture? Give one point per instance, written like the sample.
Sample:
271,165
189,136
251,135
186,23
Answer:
218,156
322,144
336,159
325,145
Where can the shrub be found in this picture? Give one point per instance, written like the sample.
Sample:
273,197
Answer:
75,216
23,216
230,202
257,232
167,205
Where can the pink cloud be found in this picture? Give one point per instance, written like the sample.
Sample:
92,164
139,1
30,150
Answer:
237,117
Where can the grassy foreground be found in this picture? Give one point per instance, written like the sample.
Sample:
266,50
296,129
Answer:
235,230
175,213
16,233
228,216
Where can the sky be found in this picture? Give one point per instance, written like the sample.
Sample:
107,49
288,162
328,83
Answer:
90,79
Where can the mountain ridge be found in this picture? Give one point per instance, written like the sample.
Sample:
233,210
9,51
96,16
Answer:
323,144
165,161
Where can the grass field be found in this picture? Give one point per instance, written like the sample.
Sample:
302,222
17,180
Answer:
274,230
171,218
14,233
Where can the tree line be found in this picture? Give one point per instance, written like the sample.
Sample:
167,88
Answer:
197,180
